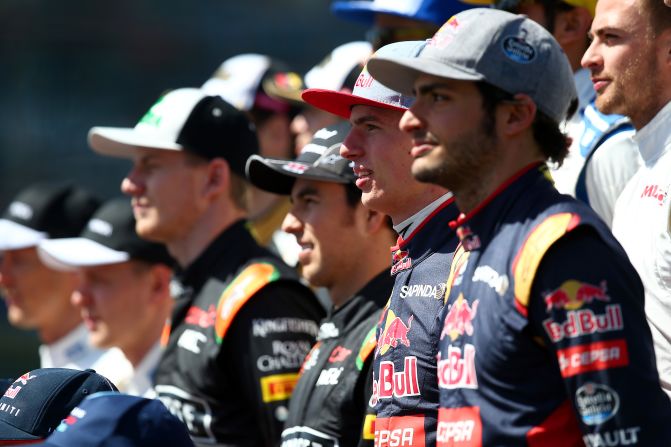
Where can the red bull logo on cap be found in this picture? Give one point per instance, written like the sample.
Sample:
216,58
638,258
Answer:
395,331
13,390
572,295
459,319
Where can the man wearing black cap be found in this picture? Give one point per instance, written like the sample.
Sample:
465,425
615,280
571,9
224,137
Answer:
123,293
38,297
235,302
344,248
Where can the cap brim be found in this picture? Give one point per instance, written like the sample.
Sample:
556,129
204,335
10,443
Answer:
68,254
359,11
124,142
10,433
340,103
278,176
14,236
400,74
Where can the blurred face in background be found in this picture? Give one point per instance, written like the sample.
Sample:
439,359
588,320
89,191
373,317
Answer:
36,296
115,301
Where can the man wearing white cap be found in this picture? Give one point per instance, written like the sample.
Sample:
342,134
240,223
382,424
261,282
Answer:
37,296
123,293
544,330
235,301
405,383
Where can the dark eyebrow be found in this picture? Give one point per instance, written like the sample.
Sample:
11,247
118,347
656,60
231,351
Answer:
305,191
365,119
428,88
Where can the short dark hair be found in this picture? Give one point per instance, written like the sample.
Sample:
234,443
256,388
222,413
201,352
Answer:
658,14
552,142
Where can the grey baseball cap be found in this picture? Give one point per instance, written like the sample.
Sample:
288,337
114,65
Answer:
319,160
367,91
508,51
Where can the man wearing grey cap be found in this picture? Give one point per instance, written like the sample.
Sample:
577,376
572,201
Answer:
544,330
235,302
344,248
123,293
38,297
405,384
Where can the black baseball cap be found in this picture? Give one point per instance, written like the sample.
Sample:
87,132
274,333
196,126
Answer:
319,160
33,406
109,238
120,420
45,210
186,119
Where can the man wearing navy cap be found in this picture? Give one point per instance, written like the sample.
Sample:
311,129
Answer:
35,403
544,330
123,293
37,296
344,248
398,20
235,302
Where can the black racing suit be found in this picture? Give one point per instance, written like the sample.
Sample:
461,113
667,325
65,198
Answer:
241,327
328,407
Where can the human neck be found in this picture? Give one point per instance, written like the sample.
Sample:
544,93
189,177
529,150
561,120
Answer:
416,203
186,249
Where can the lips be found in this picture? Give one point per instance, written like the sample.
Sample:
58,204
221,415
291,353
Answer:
599,84
364,176
305,252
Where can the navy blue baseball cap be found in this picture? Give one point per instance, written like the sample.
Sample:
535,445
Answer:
432,11
35,403
120,420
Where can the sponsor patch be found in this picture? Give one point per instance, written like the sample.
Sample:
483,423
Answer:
459,319
596,403
339,354
191,340
492,278
623,436
285,355
400,431
368,431
193,411
394,331
468,239
278,386
311,358
262,327
200,317
241,289
459,427
18,384
572,295
9,409
307,437
654,192
517,49
436,291
592,357
585,322
459,264
458,369
329,377
392,383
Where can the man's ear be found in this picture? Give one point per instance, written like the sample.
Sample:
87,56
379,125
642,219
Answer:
218,177
375,220
572,26
514,117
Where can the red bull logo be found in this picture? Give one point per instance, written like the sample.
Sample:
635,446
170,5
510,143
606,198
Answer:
395,331
459,319
393,383
13,390
458,369
399,255
572,295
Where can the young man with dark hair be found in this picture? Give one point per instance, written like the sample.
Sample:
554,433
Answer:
345,249
544,329
235,301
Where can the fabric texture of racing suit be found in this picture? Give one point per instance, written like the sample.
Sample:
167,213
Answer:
241,327
544,340
329,404
405,385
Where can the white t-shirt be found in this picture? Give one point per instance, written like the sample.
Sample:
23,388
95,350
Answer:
71,351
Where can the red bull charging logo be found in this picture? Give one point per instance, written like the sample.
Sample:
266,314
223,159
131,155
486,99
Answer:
572,295
395,331
459,319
